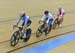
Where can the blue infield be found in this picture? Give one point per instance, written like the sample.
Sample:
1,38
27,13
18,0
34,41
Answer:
50,45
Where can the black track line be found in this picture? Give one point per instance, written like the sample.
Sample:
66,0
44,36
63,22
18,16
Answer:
36,16
34,33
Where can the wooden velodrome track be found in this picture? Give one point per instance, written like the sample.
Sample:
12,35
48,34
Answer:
9,9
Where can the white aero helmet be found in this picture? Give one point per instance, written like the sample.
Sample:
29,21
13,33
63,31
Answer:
22,14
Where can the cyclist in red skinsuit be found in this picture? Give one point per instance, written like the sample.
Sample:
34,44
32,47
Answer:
60,14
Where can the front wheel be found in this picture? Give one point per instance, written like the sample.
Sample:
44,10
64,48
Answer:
39,31
15,38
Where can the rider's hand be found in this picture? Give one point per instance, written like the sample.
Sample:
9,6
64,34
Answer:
14,26
39,21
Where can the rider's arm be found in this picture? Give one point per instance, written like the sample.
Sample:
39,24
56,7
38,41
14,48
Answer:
43,18
19,19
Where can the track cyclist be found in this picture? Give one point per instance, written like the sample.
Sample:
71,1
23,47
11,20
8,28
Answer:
26,22
59,15
48,19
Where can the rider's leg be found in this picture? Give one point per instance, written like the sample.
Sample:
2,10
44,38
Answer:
24,31
61,20
50,25
25,28
56,23
23,34
49,28
46,29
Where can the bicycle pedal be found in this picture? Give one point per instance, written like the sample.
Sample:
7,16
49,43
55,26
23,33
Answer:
21,37
46,33
24,39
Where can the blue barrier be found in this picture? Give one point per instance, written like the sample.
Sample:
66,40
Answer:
50,45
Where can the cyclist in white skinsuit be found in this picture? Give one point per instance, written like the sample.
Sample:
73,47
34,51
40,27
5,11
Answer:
25,24
48,18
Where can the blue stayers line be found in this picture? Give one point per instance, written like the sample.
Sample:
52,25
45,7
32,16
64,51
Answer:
50,45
